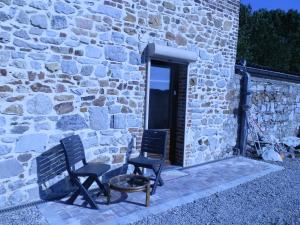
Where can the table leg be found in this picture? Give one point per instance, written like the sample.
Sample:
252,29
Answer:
108,195
147,195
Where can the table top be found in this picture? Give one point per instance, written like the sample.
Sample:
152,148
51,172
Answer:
129,182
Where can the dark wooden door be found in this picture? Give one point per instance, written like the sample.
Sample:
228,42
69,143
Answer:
163,102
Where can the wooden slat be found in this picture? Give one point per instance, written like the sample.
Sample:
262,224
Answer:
154,142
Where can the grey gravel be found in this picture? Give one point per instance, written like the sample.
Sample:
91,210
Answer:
25,216
273,199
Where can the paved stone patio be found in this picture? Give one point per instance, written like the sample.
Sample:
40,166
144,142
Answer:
181,186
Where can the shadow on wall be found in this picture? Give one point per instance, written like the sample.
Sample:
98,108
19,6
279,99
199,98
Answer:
50,168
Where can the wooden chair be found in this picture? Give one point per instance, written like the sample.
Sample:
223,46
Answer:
74,153
153,142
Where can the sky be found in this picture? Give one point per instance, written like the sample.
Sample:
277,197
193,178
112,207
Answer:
273,4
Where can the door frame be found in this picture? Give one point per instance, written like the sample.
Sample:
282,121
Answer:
146,113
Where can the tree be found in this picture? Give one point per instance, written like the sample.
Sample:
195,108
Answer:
270,38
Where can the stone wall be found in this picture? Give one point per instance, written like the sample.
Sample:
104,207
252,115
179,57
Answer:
75,67
276,107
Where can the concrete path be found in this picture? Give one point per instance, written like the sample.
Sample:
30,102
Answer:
181,187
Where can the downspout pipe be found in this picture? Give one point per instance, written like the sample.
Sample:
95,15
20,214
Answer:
245,105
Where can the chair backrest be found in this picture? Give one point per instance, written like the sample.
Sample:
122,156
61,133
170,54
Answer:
50,164
74,151
154,141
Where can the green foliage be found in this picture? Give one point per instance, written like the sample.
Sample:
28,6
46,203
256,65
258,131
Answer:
270,38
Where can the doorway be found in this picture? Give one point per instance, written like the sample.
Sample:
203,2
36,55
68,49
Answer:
167,103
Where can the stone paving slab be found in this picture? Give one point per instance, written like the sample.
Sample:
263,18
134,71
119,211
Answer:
181,187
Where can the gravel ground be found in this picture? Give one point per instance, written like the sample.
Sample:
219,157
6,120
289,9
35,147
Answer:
273,199
25,216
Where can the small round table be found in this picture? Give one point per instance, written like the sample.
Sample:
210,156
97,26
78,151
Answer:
129,183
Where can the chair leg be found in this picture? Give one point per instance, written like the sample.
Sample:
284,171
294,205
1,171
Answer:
161,182
157,179
82,188
101,186
137,170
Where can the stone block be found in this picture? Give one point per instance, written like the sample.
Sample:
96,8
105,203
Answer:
42,126
65,8
38,46
109,11
71,122
227,25
69,67
15,185
31,142
7,2
204,55
99,118
169,5
154,21
39,21
2,121
52,67
115,53
38,87
15,109
218,58
22,17
5,88
42,5
19,129
90,141
10,168
180,40
36,31
133,121
4,57
218,22
2,190
39,105
117,37
20,43
19,2
4,149
118,158
34,65
59,22
4,16
221,83
52,40
84,23
130,18
99,101
115,109
63,108
21,34
86,70
118,121
18,55
18,197
93,52
4,37
132,41
134,58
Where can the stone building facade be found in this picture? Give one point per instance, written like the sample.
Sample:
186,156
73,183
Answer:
76,66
